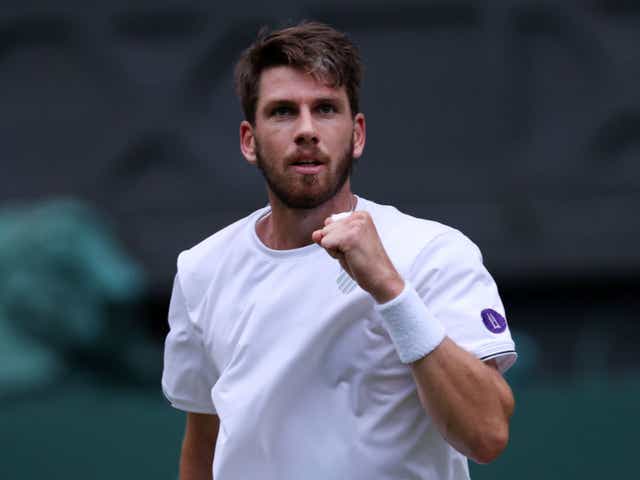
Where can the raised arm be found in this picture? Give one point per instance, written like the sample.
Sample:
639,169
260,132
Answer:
468,400
196,457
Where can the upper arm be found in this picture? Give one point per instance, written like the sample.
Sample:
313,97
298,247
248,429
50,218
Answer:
493,364
198,446
505,392
459,291
203,427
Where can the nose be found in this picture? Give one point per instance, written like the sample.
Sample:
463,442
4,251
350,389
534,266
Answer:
306,133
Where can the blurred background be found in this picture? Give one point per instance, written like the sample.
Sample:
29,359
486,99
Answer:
517,122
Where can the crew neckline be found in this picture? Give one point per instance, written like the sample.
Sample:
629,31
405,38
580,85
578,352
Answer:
288,253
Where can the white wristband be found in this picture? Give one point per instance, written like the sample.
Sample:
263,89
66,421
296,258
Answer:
414,331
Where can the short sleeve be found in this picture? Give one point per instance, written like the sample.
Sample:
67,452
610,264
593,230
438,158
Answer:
458,290
187,376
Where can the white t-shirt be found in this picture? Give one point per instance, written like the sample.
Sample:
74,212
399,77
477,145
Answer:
291,355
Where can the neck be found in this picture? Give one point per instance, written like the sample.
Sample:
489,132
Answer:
286,228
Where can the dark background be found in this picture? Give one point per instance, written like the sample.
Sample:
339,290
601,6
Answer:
517,122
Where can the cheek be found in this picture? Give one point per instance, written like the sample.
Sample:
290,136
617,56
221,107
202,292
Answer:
272,142
278,137
339,136
340,144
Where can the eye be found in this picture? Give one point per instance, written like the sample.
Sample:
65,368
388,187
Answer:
282,111
326,108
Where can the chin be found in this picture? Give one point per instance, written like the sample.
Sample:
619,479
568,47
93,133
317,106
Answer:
309,199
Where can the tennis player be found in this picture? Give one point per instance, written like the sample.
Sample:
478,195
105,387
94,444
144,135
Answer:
326,336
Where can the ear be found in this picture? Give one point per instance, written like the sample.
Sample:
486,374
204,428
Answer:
359,135
247,142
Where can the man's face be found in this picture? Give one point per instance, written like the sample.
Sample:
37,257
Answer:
304,138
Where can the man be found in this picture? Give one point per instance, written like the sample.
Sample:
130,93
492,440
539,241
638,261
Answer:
326,336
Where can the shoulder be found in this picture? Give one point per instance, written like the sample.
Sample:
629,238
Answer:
405,236
392,222
198,264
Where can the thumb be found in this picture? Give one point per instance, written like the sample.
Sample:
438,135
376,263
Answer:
316,236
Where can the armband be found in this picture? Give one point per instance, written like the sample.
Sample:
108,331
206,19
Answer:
413,330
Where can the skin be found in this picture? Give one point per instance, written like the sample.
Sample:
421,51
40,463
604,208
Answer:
299,117
196,456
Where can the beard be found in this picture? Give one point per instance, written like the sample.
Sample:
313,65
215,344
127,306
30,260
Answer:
303,192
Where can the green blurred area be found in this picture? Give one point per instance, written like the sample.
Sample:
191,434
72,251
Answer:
83,429
584,430
68,296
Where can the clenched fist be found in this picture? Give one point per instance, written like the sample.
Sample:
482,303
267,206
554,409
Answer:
355,243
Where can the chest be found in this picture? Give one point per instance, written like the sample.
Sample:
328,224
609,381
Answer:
283,311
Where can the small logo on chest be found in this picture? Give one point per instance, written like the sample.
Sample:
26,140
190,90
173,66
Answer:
346,284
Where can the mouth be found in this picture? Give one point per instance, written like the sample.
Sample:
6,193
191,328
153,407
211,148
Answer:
307,168
307,165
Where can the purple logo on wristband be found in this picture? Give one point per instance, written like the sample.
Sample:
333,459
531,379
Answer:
493,321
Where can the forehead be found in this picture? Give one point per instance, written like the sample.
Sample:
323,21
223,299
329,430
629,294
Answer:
288,83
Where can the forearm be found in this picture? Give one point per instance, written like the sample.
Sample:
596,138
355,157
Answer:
468,400
196,456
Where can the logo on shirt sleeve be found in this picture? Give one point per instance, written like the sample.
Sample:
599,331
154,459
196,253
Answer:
494,322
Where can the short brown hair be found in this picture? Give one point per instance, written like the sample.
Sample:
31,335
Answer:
314,47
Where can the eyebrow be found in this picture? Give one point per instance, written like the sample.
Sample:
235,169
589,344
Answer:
277,101
330,99
287,102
